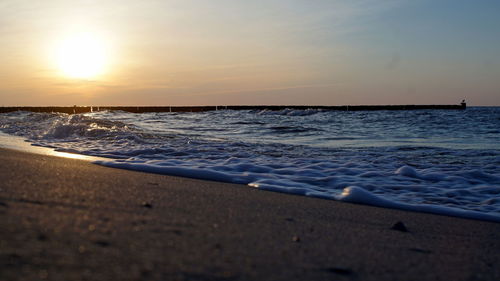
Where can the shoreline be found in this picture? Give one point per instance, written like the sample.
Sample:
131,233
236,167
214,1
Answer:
67,219
20,144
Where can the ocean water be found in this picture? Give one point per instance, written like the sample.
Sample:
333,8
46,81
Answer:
437,161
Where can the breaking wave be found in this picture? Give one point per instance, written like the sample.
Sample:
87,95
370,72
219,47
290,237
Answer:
444,162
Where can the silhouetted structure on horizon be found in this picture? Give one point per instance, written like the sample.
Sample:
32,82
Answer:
143,109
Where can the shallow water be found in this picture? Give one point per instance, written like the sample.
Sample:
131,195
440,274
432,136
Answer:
438,161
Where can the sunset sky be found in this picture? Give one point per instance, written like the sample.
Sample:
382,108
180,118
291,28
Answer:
229,52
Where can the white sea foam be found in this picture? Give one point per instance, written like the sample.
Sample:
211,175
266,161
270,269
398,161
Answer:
444,162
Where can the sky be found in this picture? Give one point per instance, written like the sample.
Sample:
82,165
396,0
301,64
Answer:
260,52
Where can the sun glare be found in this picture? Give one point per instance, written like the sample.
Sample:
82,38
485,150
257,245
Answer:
82,56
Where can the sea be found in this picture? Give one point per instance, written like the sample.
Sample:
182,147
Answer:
434,161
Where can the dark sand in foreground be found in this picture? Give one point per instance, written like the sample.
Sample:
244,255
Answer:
64,219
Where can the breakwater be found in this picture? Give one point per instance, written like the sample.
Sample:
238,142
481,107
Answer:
143,109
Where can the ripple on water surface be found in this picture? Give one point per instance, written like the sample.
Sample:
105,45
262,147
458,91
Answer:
437,161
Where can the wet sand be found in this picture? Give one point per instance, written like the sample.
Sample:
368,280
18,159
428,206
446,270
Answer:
65,219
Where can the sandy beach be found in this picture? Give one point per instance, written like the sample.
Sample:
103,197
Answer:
66,219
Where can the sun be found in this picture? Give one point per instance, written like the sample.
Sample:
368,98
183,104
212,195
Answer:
82,56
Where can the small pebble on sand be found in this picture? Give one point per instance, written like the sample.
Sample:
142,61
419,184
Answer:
399,226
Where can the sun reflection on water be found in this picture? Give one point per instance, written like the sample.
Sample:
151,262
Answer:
18,143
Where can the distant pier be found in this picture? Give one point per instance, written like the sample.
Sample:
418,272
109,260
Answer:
143,109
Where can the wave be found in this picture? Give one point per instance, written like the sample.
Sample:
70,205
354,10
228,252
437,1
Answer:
367,158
